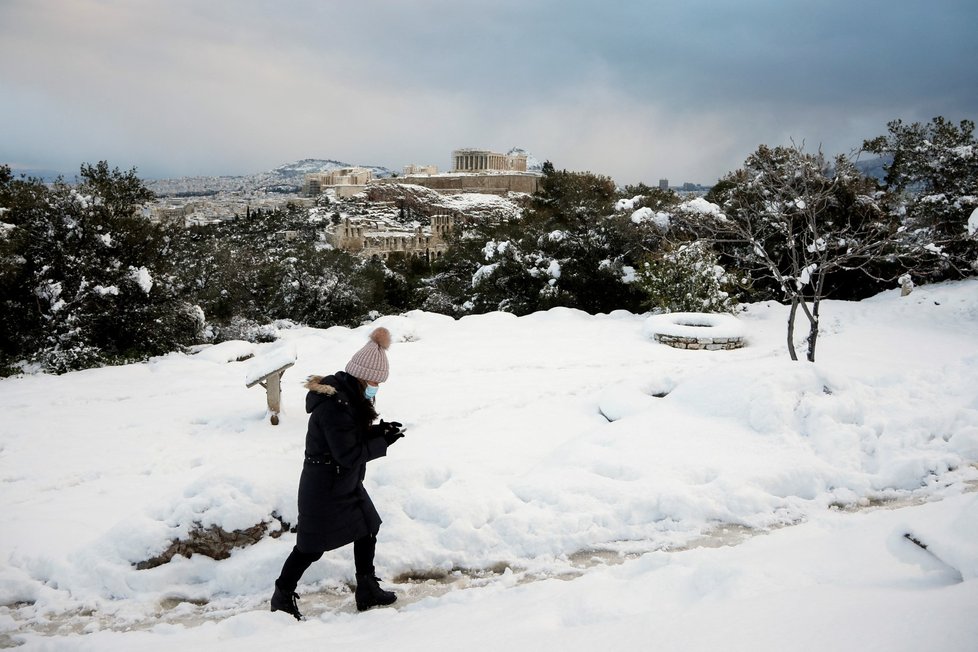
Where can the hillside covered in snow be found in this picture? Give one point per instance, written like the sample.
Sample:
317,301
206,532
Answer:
566,482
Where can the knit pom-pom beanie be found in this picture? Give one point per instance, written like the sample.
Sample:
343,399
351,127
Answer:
370,362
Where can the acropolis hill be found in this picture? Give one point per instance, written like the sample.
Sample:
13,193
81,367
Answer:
474,170
366,210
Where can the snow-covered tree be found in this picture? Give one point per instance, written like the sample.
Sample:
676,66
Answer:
89,280
797,220
244,274
932,187
569,248
327,288
505,280
687,278
578,232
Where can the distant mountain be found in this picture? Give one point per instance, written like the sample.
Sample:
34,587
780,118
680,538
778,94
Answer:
532,164
286,178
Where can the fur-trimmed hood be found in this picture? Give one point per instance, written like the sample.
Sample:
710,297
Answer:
320,385
340,388
325,388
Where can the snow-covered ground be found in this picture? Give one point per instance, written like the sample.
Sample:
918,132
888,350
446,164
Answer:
481,202
566,483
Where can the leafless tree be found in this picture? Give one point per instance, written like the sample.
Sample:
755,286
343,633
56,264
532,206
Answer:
795,219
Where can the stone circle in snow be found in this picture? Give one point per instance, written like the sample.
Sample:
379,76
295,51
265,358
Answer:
696,330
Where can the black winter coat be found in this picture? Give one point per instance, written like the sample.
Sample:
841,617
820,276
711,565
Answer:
334,508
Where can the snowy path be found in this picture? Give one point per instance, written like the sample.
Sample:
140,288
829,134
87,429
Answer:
329,603
853,571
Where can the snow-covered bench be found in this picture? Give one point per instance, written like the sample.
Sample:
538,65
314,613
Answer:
266,370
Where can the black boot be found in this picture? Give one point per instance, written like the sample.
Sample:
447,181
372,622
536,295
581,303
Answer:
369,594
286,601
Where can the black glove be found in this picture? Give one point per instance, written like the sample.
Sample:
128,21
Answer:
382,428
392,432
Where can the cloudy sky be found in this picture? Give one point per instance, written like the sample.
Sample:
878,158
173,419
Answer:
639,90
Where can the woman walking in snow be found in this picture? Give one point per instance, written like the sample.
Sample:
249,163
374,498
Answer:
334,508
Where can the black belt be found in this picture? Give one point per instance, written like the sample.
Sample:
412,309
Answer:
326,460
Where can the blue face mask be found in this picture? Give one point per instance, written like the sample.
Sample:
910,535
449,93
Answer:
371,391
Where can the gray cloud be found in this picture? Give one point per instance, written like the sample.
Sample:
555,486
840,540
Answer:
685,90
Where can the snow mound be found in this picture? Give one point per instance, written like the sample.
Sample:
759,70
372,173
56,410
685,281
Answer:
229,351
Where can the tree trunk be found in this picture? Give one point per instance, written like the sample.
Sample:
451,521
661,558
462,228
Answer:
812,316
791,328
813,331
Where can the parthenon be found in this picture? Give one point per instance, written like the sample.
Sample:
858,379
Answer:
479,160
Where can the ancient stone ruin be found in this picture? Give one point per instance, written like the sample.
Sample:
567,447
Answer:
697,331
707,343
